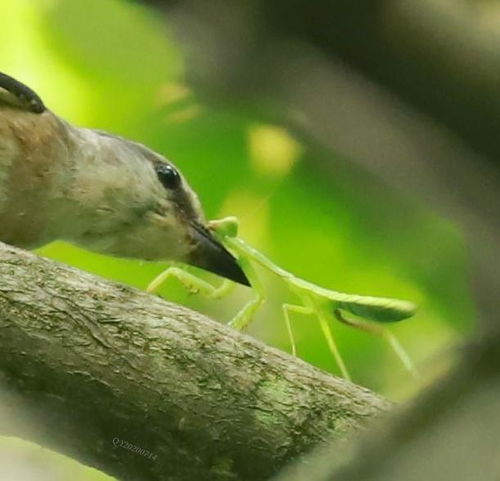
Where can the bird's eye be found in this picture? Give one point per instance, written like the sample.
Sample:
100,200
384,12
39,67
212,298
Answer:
168,176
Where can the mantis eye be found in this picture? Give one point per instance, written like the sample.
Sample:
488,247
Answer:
168,176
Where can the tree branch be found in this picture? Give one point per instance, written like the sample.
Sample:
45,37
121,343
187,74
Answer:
106,371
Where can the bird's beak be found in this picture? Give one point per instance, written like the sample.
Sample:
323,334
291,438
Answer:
211,255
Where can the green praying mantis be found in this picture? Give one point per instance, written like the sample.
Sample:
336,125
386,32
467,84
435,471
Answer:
325,304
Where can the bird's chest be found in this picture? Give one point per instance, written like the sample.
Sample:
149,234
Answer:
22,219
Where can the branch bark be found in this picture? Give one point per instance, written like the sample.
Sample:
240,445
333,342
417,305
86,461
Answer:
106,371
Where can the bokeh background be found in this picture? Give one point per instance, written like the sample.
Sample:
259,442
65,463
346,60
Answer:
115,65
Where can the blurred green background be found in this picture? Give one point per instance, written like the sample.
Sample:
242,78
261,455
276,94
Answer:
112,65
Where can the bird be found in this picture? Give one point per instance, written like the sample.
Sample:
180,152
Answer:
97,190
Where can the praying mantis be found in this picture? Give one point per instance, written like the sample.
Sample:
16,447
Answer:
325,304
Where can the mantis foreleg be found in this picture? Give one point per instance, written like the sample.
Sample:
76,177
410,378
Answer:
191,282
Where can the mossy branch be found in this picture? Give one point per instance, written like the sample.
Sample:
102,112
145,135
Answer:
95,362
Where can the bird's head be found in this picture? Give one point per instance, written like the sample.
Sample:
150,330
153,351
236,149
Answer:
132,202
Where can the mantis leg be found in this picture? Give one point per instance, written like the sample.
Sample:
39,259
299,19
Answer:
191,283
387,335
332,345
244,317
287,308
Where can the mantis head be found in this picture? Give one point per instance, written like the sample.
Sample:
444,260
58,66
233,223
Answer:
226,227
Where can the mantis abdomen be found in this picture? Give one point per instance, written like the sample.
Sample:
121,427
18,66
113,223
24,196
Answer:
377,309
